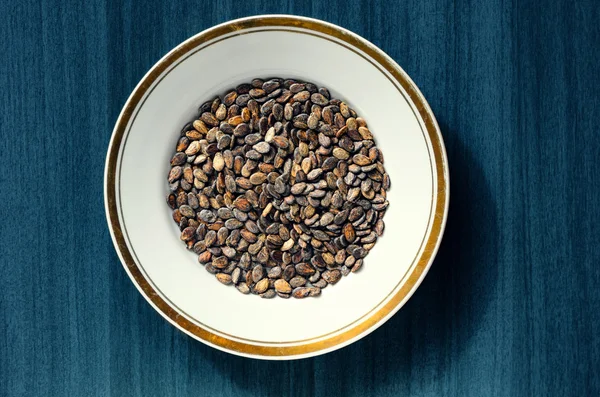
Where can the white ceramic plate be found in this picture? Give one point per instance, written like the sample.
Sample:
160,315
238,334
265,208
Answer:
147,240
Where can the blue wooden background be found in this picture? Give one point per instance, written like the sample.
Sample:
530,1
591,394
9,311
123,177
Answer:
511,306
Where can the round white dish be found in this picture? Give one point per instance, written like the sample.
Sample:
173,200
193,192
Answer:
147,240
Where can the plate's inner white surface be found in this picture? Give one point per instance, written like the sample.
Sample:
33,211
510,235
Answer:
154,238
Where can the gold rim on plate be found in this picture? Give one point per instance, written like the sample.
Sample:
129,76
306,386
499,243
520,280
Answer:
364,325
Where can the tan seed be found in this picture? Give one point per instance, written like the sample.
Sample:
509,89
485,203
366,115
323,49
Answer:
193,148
261,286
262,147
306,165
194,135
224,278
361,159
200,126
221,112
287,245
282,286
340,153
270,134
235,121
365,133
218,162
258,178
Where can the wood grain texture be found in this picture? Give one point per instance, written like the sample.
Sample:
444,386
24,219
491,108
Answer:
511,306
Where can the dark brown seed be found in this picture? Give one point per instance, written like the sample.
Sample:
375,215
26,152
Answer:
274,240
188,233
319,99
187,211
204,257
289,272
284,96
303,292
252,227
361,159
220,262
207,216
175,174
275,272
229,99
304,269
209,119
233,224
356,213
248,236
177,217
339,121
258,273
242,204
332,276
357,266
182,144
222,235
277,111
171,200
359,252
270,86
210,268
243,88
315,277
297,281
243,288
263,255
281,142
179,159
297,87
242,100
257,93
314,174
302,96
270,293
318,261
210,238
267,107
